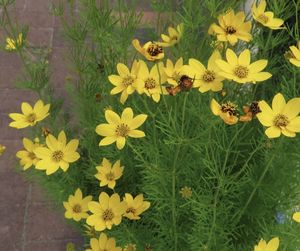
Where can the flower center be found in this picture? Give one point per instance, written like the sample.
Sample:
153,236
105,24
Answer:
31,117
209,76
110,176
57,156
31,156
230,30
122,130
150,83
127,81
108,215
254,108
77,208
130,210
263,18
229,107
241,71
185,83
154,49
281,120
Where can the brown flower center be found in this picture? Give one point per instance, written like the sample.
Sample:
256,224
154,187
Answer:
77,208
241,71
154,49
127,81
122,130
108,215
254,108
150,83
57,156
229,107
31,117
281,120
130,210
110,176
209,76
185,83
263,18
230,30
31,156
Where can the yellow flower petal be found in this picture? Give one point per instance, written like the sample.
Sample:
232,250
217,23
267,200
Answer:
107,141
273,132
127,115
122,70
258,66
215,107
294,125
121,142
296,217
278,103
105,130
273,244
136,134
137,121
231,57
112,117
244,58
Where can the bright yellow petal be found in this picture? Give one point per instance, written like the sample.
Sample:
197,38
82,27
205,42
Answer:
294,125
115,80
258,66
121,142
296,217
273,244
244,58
136,134
107,141
295,51
292,108
260,76
112,117
231,57
127,115
278,103
215,107
273,132
137,121
26,108
105,130
123,70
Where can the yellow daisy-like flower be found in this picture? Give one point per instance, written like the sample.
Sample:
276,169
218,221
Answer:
281,118
12,45
77,206
2,149
266,18
57,154
30,115
296,217
231,28
108,174
103,244
206,78
226,111
107,212
135,206
174,72
119,128
239,68
186,192
151,50
272,245
126,81
295,55
151,82
130,247
27,157
173,37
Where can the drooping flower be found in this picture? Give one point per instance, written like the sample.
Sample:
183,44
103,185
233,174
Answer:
266,18
108,174
250,111
296,217
231,28
103,244
151,82
173,37
27,157
119,128
186,192
281,118
272,245
135,206
151,50
57,154
206,78
295,55
30,115
107,212
77,206
239,68
126,81
12,44
227,111
2,149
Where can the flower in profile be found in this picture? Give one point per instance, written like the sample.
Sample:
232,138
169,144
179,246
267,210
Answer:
12,45
281,118
227,111
266,18
151,50
206,78
2,149
77,206
103,244
173,37
135,206
119,128
27,157
296,217
151,81
231,28
272,245
108,174
239,68
186,192
295,55
126,81
30,115
130,247
107,212
57,154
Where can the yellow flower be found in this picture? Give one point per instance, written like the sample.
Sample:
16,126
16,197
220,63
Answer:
119,128
239,68
281,118
27,157
77,206
296,217
174,36
174,72
186,192
226,111
2,149
206,78
151,82
126,81
295,57
266,18
272,245
135,206
12,45
130,247
108,174
103,244
231,28
151,50
30,115
57,154
107,212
